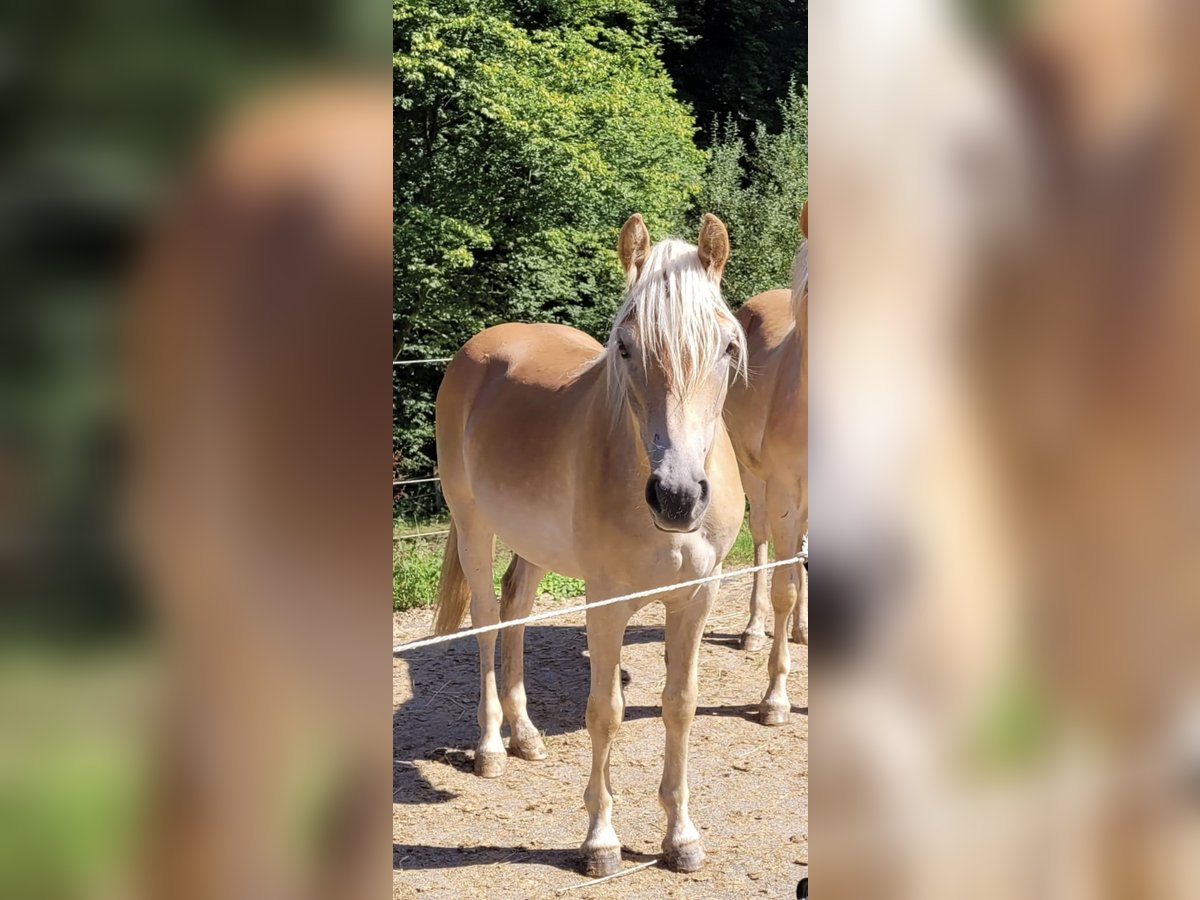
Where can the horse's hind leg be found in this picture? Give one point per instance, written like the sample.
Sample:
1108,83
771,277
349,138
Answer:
475,550
800,617
785,596
754,638
516,600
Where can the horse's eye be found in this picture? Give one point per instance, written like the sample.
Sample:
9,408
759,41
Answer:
732,346
623,350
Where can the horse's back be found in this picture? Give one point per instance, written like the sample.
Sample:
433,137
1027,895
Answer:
767,320
514,364
538,354
510,416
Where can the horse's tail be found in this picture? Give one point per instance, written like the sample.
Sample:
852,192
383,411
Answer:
453,592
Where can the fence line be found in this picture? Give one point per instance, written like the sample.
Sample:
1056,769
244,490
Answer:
554,613
420,362
419,534
415,481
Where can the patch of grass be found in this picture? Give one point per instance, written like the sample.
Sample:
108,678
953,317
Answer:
742,553
74,760
417,564
561,586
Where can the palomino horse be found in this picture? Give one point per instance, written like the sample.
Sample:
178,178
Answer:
767,418
607,463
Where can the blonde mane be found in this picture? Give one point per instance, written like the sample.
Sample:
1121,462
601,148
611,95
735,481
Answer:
679,314
800,284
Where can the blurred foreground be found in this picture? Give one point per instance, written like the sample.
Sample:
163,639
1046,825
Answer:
1005,450
1005,443
194,451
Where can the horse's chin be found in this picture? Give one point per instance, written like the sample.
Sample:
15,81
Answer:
670,528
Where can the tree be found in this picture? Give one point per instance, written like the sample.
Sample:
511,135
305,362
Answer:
757,189
737,58
525,133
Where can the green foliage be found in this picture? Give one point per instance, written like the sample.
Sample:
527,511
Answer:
417,564
525,133
738,58
742,553
757,189
561,585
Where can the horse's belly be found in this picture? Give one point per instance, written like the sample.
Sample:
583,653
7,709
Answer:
534,525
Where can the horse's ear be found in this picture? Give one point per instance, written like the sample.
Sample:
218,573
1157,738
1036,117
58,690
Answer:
713,246
633,246
804,220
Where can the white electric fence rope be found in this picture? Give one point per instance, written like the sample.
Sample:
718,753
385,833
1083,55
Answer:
419,534
420,362
554,613
415,481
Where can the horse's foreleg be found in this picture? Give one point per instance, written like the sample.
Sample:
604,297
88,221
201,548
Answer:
475,550
785,596
605,631
516,600
754,638
684,628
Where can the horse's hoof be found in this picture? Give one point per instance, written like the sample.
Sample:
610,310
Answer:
530,748
774,713
602,863
753,642
489,763
688,858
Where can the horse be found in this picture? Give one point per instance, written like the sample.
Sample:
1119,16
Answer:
767,417
273,247
609,463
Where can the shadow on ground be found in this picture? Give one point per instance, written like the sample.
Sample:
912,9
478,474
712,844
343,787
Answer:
418,857
439,724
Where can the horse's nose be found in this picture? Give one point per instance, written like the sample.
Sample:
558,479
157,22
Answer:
677,501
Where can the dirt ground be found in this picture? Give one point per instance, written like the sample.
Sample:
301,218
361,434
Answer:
456,835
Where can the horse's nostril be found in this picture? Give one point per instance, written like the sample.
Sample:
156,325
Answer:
676,503
652,498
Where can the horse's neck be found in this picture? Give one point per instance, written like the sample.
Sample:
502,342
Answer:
798,340
789,413
612,441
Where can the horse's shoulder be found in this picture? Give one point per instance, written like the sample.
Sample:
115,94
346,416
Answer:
767,311
767,320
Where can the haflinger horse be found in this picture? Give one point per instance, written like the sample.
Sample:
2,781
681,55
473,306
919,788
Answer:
767,417
607,463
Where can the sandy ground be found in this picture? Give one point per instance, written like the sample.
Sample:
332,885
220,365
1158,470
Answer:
456,835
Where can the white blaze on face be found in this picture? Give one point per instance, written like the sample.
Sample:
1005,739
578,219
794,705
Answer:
669,362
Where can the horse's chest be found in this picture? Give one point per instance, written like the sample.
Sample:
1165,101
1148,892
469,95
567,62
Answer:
669,562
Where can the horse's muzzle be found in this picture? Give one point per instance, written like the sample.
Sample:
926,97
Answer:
677,505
